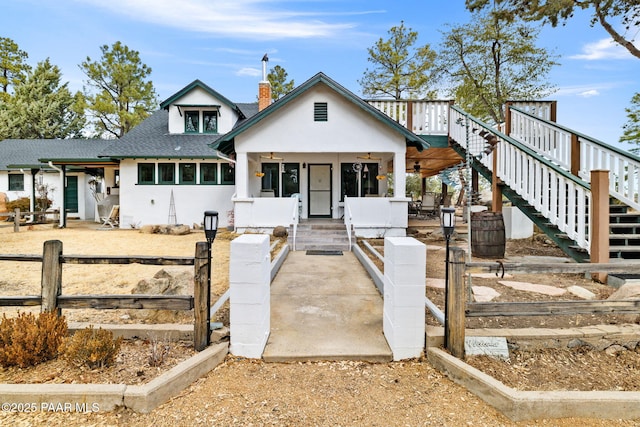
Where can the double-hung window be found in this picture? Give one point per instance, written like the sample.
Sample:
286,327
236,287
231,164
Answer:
209,122
191,123
166,173
16,182
208,173
146,173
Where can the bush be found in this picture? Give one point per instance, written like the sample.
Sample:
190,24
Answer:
94,348
26,340
24,203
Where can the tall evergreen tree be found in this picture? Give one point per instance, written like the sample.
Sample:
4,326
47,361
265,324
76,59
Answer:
492,60
13,68
632,127
118,94
279,86
42,107
399,68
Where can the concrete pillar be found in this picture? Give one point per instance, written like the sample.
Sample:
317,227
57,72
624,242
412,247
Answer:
404,296
249,283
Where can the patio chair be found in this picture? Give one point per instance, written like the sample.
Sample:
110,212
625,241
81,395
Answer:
113,220
428,206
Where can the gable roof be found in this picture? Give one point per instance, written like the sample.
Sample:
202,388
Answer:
198,84
35,153
225,143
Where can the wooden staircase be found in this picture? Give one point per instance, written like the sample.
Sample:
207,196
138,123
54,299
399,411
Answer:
321,235
624,226
624,232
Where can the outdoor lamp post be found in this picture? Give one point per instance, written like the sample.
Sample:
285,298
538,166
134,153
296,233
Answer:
210,230
448,221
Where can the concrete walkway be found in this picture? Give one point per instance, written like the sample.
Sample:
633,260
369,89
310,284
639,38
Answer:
325,307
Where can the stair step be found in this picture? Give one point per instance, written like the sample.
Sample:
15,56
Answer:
624,249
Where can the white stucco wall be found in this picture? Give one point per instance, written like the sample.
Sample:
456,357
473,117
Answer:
226,117
150,204
86,203
292,134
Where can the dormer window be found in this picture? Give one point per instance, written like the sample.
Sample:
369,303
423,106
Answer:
210,122
191,124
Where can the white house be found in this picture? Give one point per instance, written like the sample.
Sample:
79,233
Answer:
318,152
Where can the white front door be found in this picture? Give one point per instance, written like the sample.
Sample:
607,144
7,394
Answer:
320,191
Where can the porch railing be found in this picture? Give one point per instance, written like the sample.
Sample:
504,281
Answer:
348,218
561,197
579,154
261,213
420,117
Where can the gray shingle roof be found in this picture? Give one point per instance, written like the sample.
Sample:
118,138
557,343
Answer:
32,153
151,139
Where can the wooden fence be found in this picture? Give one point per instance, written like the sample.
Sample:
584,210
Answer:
457,308
17,215
52,300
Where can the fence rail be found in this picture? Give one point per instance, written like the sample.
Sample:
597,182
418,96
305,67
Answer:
458,308
52,300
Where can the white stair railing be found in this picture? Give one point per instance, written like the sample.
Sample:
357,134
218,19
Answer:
562,198
555,143
348,218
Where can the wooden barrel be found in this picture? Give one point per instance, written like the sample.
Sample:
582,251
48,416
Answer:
487,235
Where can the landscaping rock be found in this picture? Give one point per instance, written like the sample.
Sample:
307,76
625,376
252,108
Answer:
149,229
615,350
165,282
3,203
178,230
627,291
280,231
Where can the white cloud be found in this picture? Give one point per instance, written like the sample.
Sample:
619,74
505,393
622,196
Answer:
242,19
248,71
589,93
602,49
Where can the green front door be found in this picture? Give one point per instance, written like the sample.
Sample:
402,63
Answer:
71,194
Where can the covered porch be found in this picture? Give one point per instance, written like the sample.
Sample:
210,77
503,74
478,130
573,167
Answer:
282,188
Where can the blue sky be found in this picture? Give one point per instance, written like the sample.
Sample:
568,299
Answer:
221,42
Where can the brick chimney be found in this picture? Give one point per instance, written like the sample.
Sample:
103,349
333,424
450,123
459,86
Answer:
264,87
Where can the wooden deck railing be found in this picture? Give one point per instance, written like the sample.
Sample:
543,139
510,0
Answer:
419,116
52,300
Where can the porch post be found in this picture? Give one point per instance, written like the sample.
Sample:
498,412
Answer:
242,176
399,178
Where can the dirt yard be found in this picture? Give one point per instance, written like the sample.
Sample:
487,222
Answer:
242,391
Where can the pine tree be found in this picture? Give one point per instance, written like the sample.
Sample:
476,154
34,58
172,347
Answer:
13,69
118,94
399,69
42,107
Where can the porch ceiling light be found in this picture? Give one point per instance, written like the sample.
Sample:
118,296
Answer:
210,225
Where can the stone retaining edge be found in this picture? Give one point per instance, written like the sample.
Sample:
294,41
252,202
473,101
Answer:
107,397
528,405
146,397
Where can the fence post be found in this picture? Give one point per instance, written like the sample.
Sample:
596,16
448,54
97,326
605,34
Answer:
202,297
599,221
16,220
51,276
454,323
